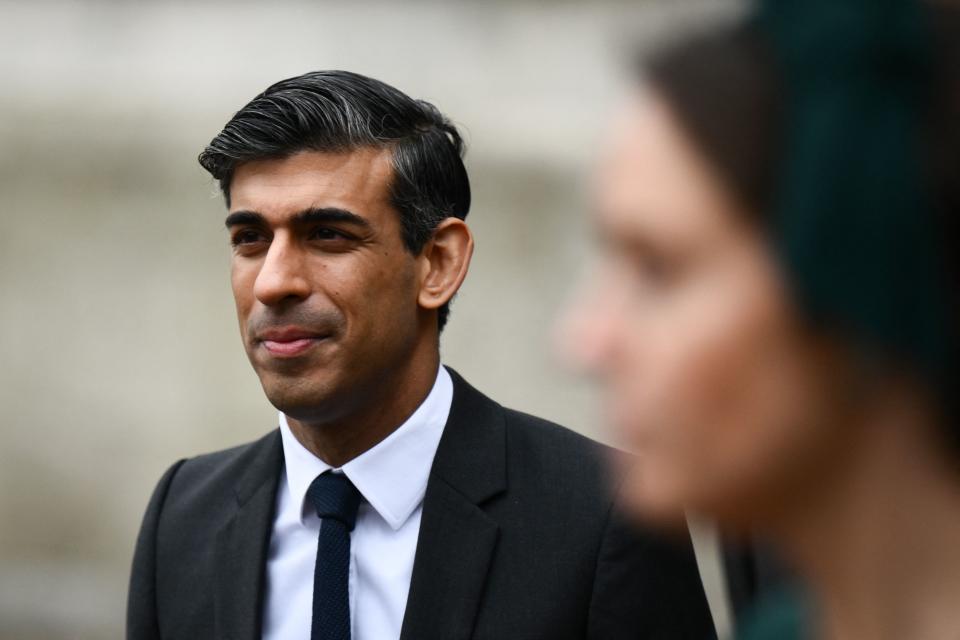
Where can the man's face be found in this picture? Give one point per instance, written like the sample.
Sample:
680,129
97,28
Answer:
326,292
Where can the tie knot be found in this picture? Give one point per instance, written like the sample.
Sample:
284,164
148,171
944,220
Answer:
334,496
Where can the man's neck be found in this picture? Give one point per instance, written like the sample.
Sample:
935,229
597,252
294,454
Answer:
383,412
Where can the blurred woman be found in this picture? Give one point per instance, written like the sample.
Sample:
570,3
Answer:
774,318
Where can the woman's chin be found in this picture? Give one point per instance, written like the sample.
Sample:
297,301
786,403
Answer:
653,498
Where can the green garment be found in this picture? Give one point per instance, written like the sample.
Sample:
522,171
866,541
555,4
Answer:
783,616
856,224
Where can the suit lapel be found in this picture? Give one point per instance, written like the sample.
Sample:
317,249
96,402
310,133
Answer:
242,547
457,538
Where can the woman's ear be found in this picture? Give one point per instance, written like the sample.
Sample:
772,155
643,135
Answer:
444,263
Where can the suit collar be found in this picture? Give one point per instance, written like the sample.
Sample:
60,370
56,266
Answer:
457,538
471,457
242,544
456,543
262,467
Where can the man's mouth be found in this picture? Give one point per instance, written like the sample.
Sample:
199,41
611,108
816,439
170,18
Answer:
289,341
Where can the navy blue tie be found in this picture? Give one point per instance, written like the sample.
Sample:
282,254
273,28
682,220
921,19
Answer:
336,501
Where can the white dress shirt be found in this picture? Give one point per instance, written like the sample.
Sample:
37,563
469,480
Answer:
392,477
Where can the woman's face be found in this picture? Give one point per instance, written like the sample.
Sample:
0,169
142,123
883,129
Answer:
710,376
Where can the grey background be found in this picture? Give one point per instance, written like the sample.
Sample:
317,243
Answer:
118,339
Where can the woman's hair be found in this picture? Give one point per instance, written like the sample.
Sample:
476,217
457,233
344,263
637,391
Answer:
722,89
731,95
725,90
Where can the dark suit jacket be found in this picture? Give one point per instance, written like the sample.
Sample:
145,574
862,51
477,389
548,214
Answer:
518,540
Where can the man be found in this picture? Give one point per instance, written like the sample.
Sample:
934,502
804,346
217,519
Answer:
394,501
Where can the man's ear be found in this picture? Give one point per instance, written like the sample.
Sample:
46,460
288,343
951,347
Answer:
444,262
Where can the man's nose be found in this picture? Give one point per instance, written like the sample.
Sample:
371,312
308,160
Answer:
283,275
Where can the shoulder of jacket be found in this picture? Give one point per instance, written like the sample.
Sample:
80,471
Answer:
218,470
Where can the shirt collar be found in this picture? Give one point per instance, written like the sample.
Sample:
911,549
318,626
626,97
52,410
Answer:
392,475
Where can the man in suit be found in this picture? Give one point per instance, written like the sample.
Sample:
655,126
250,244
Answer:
395,500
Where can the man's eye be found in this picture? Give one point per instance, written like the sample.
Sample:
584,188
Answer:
246,236
326,233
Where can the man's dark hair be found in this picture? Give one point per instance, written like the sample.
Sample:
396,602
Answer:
335,111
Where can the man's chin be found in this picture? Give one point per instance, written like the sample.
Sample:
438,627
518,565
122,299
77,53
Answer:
300,399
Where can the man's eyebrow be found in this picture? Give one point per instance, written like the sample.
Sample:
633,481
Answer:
330,214
244,217
307,216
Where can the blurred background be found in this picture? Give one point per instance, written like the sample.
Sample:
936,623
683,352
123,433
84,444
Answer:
118,341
